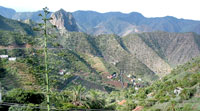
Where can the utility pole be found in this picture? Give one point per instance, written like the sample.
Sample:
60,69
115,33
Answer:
121,77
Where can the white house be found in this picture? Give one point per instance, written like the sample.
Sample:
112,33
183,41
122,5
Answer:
3,56
136,88
68,73
132,80
150,95
61,72
177,90
12,59
129,75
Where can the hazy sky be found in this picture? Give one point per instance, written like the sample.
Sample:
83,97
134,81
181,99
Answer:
187,9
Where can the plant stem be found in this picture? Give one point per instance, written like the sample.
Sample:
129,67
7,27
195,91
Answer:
46,62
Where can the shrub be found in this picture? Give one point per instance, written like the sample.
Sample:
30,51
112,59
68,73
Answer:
187,93
23,97
150,102
71,106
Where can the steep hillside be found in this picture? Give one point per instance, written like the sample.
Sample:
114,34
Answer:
156,52
96,58
114,53
161,95
12,25
109,48
79,42
17,75
146,54
178,91
7,12
14,39
175,48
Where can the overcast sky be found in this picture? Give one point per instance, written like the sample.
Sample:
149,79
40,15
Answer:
187,9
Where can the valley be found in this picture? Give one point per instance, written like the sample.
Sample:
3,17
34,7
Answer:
105,61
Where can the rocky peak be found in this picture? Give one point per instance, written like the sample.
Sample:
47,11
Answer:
64,21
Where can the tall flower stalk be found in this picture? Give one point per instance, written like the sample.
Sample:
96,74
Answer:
43,27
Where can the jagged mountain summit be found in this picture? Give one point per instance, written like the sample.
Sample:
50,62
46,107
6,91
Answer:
64,21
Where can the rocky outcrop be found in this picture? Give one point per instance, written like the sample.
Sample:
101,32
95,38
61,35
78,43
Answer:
64,21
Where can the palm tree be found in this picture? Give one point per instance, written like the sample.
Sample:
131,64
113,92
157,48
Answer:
77,93
94,101
93,94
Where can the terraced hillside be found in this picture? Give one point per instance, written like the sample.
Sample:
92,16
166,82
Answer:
94,58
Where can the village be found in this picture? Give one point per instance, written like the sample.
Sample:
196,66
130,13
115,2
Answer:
131,79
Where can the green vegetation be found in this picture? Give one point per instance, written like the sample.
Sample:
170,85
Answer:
8,38
79,68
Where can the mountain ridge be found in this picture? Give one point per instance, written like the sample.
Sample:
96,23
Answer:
122,24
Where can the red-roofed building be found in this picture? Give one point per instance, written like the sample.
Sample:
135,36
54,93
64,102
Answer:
138,108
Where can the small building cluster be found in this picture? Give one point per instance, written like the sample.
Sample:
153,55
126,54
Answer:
63,72
136,82
7,57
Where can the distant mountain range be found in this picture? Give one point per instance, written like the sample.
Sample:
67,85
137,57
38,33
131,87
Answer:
95,23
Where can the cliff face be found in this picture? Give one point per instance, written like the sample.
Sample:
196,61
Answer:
64,21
